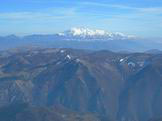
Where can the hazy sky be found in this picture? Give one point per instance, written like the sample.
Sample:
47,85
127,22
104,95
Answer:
139,17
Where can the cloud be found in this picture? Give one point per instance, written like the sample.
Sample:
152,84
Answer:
106,5
151,10
86,14
79,10
47,14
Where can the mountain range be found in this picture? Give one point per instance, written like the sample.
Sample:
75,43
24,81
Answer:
86,34
82,38
46,84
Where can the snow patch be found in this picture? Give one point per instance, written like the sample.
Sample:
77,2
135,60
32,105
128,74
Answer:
68,57
58,63
141,64
121,60
84,83
62,51
13,98
77,60
131,64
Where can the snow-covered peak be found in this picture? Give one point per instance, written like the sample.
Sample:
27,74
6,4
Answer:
85,32
94,34
68,57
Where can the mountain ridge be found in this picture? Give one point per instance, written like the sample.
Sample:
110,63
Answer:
84,81
79,38
90,34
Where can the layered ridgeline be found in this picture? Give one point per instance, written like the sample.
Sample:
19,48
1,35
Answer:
82,38
84,85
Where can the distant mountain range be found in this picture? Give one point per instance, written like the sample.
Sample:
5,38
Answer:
87,85
85,34
81,38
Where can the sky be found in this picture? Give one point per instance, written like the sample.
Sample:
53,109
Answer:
141,18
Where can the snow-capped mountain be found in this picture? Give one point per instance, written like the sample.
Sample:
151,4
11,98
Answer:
86,33
81,38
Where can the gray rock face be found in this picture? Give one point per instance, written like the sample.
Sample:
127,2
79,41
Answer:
119,86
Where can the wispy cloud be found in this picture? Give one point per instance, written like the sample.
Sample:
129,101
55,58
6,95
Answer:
151,10
113,17
106,5
47,14
62,13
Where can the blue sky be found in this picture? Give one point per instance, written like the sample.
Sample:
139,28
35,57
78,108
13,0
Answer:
142,18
